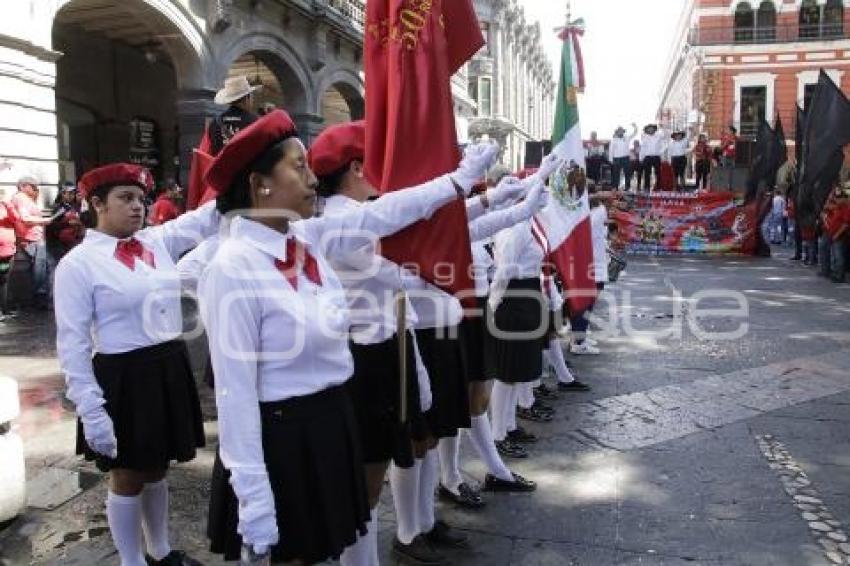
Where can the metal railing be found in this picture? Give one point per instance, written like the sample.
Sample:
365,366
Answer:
727,35
353,10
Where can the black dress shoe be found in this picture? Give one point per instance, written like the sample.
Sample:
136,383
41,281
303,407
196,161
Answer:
442,535
546,392
174,558
466,496
510,449
521,436
518,485
533,415
543,407
418,552
573,386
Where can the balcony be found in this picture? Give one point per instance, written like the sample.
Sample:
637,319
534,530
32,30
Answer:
726,35
352,10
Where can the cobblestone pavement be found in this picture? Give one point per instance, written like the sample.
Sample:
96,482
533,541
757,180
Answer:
689,450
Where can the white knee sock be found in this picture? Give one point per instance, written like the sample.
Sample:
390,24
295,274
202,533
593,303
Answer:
125,524
428,477
525,395
500,402
510,414
404,485
155,518
449,449
555,356
364,552
482,438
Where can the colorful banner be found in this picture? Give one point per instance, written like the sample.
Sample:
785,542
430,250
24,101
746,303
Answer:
683,223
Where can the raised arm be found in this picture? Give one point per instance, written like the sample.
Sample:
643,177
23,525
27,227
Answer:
495,222
188,230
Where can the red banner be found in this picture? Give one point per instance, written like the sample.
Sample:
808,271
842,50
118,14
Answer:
683,223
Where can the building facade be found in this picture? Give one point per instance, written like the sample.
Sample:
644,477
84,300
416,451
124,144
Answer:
509,82
740,61
84,82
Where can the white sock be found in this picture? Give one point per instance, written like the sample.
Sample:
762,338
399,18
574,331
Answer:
555,355
428,478
125,524
449,449
525,395
482,438
155,518
364,552
500,402
510,414
404,484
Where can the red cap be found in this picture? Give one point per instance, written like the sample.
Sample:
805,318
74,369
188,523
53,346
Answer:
247,146
336,147
525,173
116,174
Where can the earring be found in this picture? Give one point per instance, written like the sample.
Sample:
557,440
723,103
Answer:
265,191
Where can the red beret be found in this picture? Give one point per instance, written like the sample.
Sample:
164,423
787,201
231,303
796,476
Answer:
336,147
116,174
525,173
246,146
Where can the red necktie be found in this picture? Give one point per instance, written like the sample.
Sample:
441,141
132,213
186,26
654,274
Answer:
543,241
126,251
298,260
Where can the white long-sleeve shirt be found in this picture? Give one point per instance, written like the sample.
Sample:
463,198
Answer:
653,145
101,305
517,255
599,235
678,148
270,341
621,147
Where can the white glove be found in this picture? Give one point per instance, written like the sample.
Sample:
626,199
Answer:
536,200
509,189
477,160
257,518
547,168
100,433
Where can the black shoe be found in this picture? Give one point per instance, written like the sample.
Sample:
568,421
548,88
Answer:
521,436
533,415
796,258
510,449
174,558
543,407
518,485
442,535
573,386
418,552
467,496
546,392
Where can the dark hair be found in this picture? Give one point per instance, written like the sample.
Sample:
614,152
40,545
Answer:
330,184
238,195
733,129
101,192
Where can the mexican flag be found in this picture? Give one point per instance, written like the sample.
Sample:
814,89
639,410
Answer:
566,219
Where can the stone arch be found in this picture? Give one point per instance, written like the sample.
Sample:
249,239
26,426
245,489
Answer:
286,64
181,37
350,87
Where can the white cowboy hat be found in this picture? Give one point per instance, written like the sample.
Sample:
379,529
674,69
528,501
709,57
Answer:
234,89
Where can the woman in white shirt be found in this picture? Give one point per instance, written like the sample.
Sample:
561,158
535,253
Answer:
278,324
119,320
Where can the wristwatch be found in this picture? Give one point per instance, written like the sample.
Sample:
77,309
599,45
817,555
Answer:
250,557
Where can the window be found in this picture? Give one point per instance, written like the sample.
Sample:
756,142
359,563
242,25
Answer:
473,88
485,97
766,21
809,19
808,94
485,31
753,109
833,19
745,22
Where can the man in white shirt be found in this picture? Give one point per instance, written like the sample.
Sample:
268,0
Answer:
678,152
652,146
620,155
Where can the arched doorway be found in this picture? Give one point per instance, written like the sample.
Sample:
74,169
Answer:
253,66
117,85
745,22
342,103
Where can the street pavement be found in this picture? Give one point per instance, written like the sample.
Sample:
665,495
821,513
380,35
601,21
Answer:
691,448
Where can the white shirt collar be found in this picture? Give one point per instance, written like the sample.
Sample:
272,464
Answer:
262,237
340,203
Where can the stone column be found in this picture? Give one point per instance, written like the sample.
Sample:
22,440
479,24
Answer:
195,108
498,78
310,125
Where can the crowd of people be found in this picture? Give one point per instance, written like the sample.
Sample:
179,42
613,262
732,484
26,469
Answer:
333,367
659,160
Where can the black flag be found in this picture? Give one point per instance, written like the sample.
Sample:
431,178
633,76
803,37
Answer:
827,132
778,152
760,165
798,135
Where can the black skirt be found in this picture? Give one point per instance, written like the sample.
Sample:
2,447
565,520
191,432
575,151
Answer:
517,358
315,467
376,394
152,399
444,358
473,335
